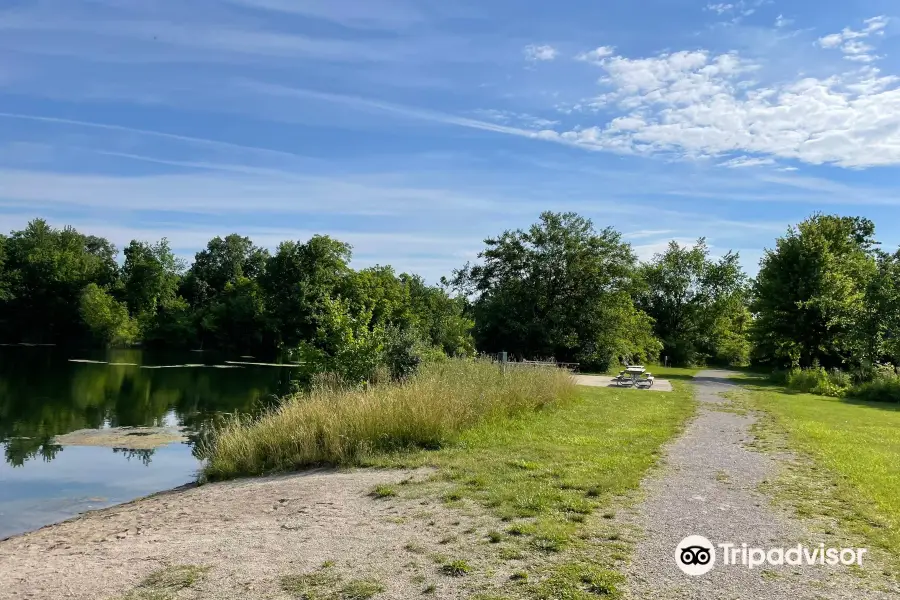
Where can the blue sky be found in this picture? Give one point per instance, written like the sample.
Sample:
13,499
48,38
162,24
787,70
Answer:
414,129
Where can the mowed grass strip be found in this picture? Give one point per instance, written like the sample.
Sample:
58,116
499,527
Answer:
858,445
556,477
346,427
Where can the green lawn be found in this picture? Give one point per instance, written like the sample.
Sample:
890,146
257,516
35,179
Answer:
556,478
855,449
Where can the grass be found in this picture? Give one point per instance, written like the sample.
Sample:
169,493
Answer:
165,583
383,491
854,472
456,568
325,584
175,577
361,589
310,586
558,477
346,427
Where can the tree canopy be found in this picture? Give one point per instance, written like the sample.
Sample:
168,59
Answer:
810,297
697,304
560,289
825,294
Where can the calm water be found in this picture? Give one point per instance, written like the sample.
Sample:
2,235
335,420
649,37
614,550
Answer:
43,394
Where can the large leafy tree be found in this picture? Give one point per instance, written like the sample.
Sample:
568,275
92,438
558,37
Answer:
698,304
151,277
559,289
876,335
810,294
377,292
439,318
299,280
224,261
106,318
46,270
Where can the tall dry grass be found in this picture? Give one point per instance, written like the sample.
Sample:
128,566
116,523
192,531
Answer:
330,426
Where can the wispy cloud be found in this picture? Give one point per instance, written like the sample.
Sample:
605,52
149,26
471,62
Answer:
361,14
781,21
746,161
849,41
596,55
410,112
542,52
147,132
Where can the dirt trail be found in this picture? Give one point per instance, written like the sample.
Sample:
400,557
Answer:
708,487
249,534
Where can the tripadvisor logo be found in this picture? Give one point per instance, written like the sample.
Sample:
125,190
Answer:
695,555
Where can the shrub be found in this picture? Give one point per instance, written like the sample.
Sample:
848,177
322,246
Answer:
817,380
883,387
340,426
402,353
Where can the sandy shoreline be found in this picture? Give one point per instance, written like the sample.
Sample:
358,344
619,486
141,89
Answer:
244,536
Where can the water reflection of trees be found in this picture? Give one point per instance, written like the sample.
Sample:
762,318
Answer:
145,456
42,397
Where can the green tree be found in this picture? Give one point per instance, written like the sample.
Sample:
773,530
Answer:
379,292
810,293
106,318
440,318
698,304
46,270
150,279
299,281
222,262
876,335
558,290
236,319
343,343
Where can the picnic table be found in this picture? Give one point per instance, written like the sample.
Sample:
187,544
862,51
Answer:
635,375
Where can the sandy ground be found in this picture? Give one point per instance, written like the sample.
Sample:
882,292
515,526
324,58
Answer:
709,487
250,533
659,385
129,438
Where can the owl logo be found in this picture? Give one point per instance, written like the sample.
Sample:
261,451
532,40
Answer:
695,555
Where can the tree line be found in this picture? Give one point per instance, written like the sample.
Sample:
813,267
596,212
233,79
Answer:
826,295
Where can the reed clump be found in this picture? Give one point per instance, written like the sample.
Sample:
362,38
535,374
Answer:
333,425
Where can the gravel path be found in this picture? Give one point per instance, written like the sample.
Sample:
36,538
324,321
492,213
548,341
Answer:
708,487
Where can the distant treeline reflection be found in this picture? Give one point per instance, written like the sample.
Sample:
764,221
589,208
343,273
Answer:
42,395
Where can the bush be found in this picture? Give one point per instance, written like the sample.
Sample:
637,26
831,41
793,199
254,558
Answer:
883,387
106,318
817,380
402,353
331,425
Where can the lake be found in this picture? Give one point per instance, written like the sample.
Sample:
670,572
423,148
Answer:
43,394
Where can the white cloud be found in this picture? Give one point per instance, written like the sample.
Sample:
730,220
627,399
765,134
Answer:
848,40
520,119
720,8
596,54
540,53
781,21
735,11
746,161
696,104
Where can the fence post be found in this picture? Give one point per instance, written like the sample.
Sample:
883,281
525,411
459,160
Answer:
503,362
